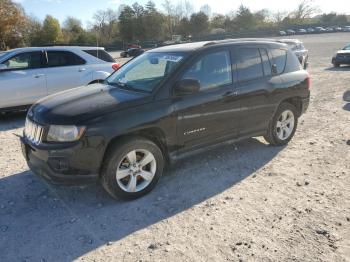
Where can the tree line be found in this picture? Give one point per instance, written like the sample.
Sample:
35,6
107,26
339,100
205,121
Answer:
138,23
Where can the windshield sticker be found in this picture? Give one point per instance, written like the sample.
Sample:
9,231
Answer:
171,58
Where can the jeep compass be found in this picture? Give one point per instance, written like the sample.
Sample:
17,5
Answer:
163,105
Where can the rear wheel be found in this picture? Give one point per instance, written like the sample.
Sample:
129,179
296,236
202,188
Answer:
283,125
336,64
132,168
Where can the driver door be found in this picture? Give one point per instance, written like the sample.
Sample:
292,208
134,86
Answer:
23,82
211,114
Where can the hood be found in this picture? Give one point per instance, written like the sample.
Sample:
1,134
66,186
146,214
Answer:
80,104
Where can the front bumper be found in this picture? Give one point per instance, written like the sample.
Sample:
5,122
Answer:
62,165
341,60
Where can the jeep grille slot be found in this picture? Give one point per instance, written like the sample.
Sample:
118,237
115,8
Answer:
33,132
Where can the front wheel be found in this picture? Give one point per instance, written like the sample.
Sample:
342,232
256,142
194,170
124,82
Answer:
132,168
283,125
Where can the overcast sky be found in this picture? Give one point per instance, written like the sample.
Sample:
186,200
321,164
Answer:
84,9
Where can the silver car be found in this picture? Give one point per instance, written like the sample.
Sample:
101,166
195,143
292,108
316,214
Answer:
28,74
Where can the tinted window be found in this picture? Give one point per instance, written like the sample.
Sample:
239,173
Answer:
266,62
63,58
249,65
100,54
212,70
30,60
280,57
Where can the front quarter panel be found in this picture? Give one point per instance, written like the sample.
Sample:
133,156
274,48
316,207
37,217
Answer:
155,115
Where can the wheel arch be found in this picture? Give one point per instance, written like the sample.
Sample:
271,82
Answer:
295,101
154,134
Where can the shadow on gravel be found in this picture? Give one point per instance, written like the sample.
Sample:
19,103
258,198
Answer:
42,222
336,69
12,120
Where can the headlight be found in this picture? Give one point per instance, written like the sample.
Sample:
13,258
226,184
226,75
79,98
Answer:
64,133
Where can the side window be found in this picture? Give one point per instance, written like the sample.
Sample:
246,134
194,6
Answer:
212,70
100,54
249,65
63,58
266,62
22,61
280,57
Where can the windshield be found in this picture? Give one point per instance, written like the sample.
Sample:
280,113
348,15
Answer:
347,47
146,71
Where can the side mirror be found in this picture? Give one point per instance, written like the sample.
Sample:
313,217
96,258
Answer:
274,69
346,96
3,67
187,87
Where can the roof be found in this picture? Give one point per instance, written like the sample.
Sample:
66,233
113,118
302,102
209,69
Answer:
57,47
188,47
289,40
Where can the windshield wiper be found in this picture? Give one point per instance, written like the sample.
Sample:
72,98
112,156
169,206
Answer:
125,86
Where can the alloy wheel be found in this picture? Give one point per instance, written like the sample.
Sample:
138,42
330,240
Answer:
136,170
285,125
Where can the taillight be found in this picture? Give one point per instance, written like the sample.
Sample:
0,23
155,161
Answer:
116,67
308,82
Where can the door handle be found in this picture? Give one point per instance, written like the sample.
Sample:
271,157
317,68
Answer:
82,69
38,75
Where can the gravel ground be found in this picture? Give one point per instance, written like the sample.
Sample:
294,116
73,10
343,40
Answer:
240,202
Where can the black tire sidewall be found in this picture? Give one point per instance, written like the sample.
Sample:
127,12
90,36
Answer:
114,157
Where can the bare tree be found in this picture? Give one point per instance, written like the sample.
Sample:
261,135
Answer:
305,9
105,23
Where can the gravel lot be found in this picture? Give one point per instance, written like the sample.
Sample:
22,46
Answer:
247,201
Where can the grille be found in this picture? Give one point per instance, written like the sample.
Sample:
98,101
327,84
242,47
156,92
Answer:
33,132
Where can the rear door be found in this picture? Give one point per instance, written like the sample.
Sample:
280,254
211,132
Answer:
255,86
24,80
66,70
211,113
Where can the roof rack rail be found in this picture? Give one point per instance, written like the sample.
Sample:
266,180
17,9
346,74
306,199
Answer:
210,43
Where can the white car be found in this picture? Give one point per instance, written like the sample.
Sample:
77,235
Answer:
28,74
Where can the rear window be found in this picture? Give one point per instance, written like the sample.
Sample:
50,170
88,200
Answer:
280,57
100,54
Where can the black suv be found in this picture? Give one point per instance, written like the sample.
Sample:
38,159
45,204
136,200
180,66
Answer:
163,105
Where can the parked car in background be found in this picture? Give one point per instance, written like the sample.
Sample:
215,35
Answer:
299,49
290,32
342,57
329,29
310,30
162,106
320,29
346,96
346,28
132,46
337,28
28,74
302,31
132,52
282,33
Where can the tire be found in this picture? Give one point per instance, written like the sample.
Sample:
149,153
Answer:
279,136
336,65
118,174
